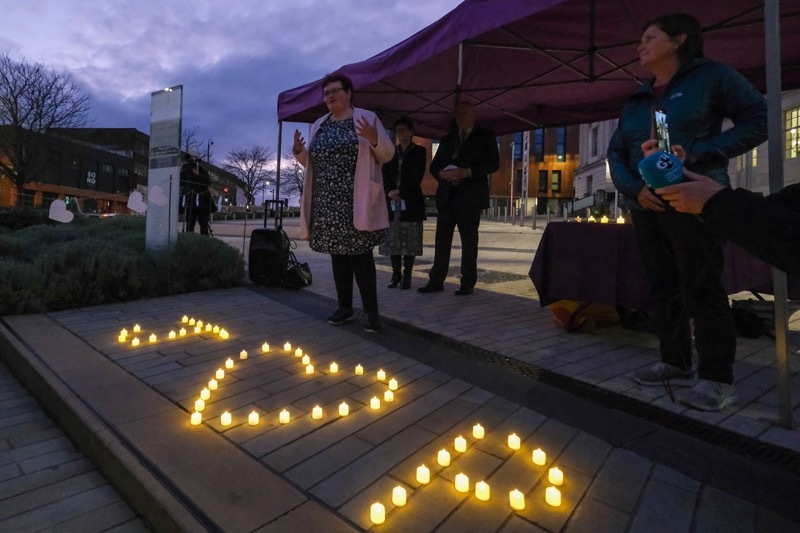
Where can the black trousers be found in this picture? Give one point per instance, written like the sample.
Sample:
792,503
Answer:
467,220
362,268
684,265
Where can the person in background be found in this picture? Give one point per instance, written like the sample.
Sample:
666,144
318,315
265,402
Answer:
402,179
343,208
681,255
195,180
463,162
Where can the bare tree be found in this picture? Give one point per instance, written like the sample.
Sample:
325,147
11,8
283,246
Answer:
34,100
190,142
254,167
292,176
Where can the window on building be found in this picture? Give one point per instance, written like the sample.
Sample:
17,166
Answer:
518,146
593,147
139,148
561,144
538,144
589,185
555,182
740,162
543,181
792,126
122,181
72,172
754,158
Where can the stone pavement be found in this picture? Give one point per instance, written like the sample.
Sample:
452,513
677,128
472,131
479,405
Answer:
494,357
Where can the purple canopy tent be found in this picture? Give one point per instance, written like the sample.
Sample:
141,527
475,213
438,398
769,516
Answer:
537,63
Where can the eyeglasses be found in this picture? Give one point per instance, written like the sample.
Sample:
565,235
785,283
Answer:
329,92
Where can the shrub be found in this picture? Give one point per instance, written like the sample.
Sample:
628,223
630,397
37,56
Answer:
16,218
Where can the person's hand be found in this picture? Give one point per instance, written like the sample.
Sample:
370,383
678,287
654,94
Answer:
690,196
367,130
394,195
454,175
299,143
648,200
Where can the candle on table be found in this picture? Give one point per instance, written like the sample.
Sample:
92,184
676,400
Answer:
393,384
539,457
381,375
298,352
309,369
334,368
135,341
226,419
462,483
460,444
182,332
212,384
443,458
316,412
513,441
305,360
184,319
377,513
555,476
265,347
359,370
516,499
399,496
137,328
287,347
220,374
243,354
423,475
374,403
199,405
172,334
552,496
482,491
478,432
205,394
253,418
196,418
388,396
191,322
344,409
229,363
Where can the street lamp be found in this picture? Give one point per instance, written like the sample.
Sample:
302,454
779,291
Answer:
209,144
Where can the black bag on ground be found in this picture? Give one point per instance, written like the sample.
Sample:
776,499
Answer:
268,259
298,275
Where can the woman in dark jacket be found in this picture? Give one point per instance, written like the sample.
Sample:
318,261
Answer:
402,179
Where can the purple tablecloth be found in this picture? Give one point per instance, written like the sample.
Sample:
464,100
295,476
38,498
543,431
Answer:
593,262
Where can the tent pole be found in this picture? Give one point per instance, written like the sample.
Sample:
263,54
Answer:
775,148
278,169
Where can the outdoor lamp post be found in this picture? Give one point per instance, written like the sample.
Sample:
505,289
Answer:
209,144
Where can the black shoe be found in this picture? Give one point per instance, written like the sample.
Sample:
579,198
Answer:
406,283
463,291
394,283
341,316
373,323
431,287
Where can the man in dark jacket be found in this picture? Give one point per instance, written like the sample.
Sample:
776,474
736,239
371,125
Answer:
462,164
195,181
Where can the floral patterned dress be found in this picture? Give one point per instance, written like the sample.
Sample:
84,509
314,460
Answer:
333,153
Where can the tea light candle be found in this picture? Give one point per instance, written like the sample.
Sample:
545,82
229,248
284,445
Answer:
392,384
344,409
381,375
298,352
200,324
215,329
223,334
539,457
604,220
478,432
620,219
577,219
226,419
212,384
172,334
513,441
209,327
196,418
198,329
152,337
182,332
517,500
591,219
205,394
306,360
122,338
191,322
555,476
377,513
220,374
284,417
253,418
287,347
482,491
359,370
334,368
309,369
184,319
243,354
460,444
462,483
199,405
443,458
399,496
265,347
374,403
316,412
229,363
552,496
135,341
423,475
388,396
137,328
123,332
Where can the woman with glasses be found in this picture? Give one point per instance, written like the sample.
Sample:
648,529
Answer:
342,211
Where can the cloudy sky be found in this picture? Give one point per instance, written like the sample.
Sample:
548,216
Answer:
232,57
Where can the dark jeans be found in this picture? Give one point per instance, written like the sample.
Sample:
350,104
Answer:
362,268
683,261
467,220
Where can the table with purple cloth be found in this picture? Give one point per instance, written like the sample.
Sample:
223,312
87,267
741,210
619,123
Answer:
599,263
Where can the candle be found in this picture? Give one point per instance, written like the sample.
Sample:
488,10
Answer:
152,337
215,330
591,219
381,375
374,403
309,369
399,496
135,341
298,352
482,491
200,324
229,363
243,354
513,441
344,409
552,496
212,384
462,483
306,360
196,418
172,334
555,476
539,457
460,444
182,332
265,347
184,319
517,500
287,347
137,328
620,219
359,370
423,475
123,332
577,219
316,412
377,513
122,338
392,384
220,374
205,394
198,329
209,327
252,418
226,419
199,405
334,368
443,458
388,396
604,220
191,322
478,432
223,334
284,417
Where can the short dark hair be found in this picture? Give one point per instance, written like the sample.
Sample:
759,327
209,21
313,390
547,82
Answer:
675,24
347,83
404,121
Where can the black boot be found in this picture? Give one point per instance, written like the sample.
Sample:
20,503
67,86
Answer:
408,268
396,275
